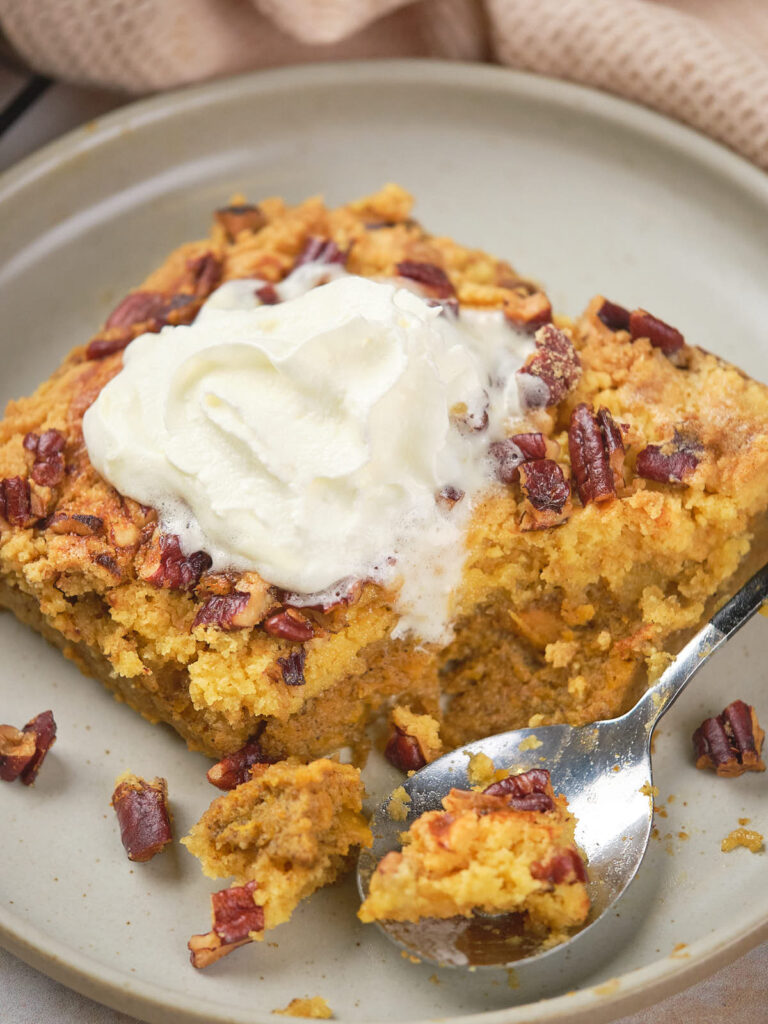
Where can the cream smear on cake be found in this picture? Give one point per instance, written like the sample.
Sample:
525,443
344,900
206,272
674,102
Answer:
309,440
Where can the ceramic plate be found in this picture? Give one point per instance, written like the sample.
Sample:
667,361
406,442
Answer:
580,190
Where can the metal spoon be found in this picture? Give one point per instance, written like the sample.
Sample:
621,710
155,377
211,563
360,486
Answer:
604,770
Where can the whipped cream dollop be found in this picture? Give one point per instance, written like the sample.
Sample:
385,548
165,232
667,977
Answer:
308,440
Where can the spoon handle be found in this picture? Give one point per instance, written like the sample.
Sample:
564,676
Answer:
721,627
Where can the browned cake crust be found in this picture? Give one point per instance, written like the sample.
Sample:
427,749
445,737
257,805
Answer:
561,614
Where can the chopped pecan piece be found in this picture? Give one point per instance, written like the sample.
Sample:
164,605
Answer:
555,366
235,914
320,250
48,473
449,495
228,611
137,308
205,950
528,791
673,466
508,455
289,624
267,293
205,273
240,217
15,501
51,442
613,442
147,311
235,917
180,309
533,446
527,311
100,348
84,526
471,419
292,667
431,277
17,748
167,566
48,467
234,769
404,751
730,743
643,325
44,728
615,317
566,866
597,454
546,493
142,813
22,751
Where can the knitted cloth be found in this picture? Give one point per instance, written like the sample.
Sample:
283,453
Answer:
704,62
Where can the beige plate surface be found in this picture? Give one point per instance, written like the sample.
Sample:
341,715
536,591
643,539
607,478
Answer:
582,191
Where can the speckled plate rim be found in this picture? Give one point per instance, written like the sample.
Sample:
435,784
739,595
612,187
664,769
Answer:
628,992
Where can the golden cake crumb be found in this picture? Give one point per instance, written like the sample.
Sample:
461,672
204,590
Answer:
530,743
313,1006
398,805
480,770
608,988
742,837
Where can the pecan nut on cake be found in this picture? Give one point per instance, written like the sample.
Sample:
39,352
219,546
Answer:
323,461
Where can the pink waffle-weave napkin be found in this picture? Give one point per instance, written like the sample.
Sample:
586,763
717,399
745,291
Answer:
704,62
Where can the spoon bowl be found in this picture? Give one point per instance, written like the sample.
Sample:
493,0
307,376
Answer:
604,770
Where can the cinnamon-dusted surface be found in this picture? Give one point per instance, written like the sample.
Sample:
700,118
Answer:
554,622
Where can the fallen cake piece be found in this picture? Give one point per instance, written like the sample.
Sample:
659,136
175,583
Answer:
313,1006
746,837
281,836
506,850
